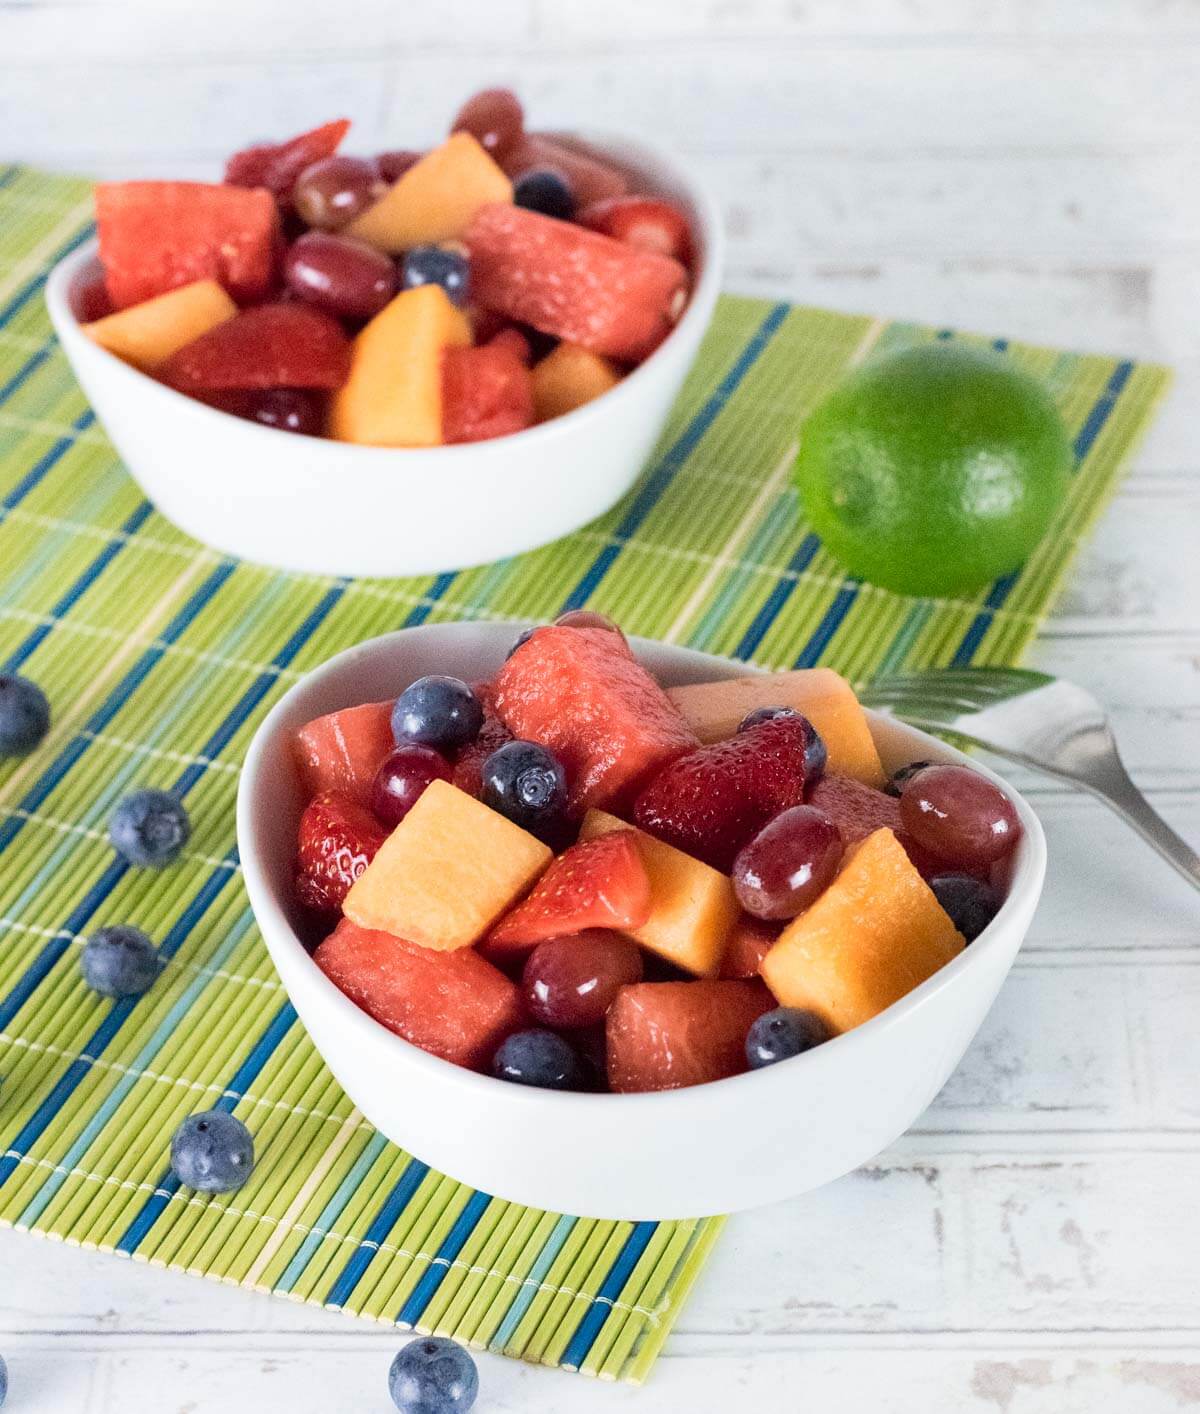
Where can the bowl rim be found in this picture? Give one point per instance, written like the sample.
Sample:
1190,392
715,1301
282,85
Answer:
1025,885
695,318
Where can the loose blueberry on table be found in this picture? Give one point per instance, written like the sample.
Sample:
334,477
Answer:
405,299
570,863
433,1375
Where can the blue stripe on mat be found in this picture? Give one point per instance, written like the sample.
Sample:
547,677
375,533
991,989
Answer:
532,1283
27,292
829,625
44,464
464,1225
382,1223
601,1307
774,602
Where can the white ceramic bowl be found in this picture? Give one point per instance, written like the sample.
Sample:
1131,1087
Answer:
738,1143
327,507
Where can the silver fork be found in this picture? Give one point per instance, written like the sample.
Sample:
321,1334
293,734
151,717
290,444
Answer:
1041,721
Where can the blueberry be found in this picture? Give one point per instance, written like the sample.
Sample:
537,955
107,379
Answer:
905,773
816,754
212,1152
120,962
525,782
547,191
433,1375
523,637
437,711
433,265
970,902
782,1033
149,828
24,715
540,1058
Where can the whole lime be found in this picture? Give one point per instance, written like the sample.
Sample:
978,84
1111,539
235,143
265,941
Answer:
935,469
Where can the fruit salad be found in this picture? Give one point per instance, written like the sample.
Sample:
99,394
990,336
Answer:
409,299
573,878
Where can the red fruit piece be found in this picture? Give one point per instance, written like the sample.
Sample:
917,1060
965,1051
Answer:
664,1035
601,883
468,768
156,236
270,346
453,1004
580,693
510,337
750,939
856,810
590,177
573,283
337,839
642,221
486,392
276,165
713,800
343,751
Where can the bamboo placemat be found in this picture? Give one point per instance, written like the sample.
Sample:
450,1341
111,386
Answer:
161,657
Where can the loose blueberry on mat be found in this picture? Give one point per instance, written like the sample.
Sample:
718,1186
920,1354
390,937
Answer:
212,1152
971,903
433,1375
437,711
432,265
120,961
546,191
523,637
780,1034
540,1058
24,715
816,755
149,828
525,782
896,784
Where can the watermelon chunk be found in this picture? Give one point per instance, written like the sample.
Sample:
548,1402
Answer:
486,392
580,693
453,1004
664,1035
276,165
576,284
591,178
750,939
270,346
856,810
155,236
342,751
468,766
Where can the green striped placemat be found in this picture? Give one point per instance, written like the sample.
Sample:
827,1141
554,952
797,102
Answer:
161,657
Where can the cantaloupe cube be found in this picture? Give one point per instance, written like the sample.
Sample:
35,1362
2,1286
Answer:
567,378
447,871
393,396
147,334
714,709
692,906
874,934
435,199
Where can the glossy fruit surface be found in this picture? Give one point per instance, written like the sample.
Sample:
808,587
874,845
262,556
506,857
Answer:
589,618
24,714
896,781
816,755
344,277
268,346
545,190
297,410
934,470
436,265
336,840
402,777
120,961
439,711
788,864
276,165
959,815
571,981
783,1033
642,221
525,782
433,1375
539,1058
971,903
494,117
212,1152
393,165
332,192
88,294
149,828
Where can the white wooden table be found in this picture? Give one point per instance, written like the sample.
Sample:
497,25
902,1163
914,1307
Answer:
1033,1247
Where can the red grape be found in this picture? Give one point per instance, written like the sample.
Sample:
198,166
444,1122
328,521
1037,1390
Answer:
788,863
959,815
573,980
393,165
88,295
335,190
289,409
342,276
495,117
405,773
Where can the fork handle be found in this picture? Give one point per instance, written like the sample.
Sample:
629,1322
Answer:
1114,786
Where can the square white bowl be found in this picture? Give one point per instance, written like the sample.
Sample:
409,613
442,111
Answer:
736,1143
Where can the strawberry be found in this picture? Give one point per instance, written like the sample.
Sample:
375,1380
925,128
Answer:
486,392
269,346
276,165
336,841
641,221
858,810
601,883
714,799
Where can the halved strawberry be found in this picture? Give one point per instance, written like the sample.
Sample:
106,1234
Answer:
270,346
486,392
336,840
601,883
714,799
276,165
643,221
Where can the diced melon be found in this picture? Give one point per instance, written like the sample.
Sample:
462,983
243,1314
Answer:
567,378
435,199
393,396
147,334
692,906
446,873
874,934
714,709
342,750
